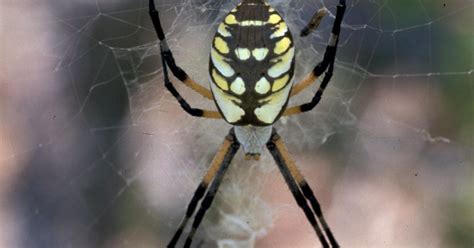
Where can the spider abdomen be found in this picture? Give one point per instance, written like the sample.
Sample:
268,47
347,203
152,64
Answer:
251,64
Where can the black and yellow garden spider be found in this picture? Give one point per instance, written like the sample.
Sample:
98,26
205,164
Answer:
251,71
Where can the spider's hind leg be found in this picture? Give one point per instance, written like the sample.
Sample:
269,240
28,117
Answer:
214,174
300,189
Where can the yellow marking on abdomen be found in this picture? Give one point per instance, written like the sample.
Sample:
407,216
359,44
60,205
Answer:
282,45
252,23
227,104
268,112
242,53
220,63
221,45
220,81
262,86
280,83
230,19
274,19
238,86
260,53
282,28
283,65
223,30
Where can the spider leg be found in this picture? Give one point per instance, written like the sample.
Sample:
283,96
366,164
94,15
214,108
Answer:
326,63
313,24
300,188
216,172
184,104
168,55
207,201
303,84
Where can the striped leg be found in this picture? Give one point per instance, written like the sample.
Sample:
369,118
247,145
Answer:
326,64
303,84
216,171
207,201
313,24
185,105
300,189
167,60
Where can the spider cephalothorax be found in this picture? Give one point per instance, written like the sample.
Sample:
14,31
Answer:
251,64
251,68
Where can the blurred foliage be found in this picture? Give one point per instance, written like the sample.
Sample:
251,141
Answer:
459,230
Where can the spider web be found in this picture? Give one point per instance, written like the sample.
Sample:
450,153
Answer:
96,153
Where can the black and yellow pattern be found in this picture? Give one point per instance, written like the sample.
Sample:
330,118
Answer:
252,64
251,70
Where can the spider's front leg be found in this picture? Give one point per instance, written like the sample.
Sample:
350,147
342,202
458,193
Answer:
327,64
168,61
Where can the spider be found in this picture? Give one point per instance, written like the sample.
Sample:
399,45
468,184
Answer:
251,69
